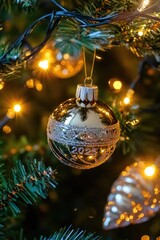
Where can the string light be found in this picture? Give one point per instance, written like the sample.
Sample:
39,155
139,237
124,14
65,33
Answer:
34,83
128,97
126,100
150,171
10,113
38,86
143,5
1,84
98,57
44,64
17,108
145,237
30,83
117,85
140,33
6,129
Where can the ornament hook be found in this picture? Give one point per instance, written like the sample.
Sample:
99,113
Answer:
88,81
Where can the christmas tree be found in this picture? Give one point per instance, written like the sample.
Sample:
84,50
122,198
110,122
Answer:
109,185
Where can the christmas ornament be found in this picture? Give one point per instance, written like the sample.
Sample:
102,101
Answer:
134,197
66,65
82,131
58,62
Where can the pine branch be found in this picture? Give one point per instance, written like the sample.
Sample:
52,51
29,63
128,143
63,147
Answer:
102,25
28,183
26,5
65,234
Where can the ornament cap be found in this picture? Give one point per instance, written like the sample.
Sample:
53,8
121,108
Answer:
86,95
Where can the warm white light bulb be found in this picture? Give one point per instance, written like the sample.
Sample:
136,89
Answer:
117,85
150,170
143,5
126,100
43,64
140,33
17,108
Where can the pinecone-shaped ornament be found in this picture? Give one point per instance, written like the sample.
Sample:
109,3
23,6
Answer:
83,132
134,197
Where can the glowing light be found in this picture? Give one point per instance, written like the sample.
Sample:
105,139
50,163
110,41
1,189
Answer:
126,100
28,148
66,56
1,84
117,85
145,237
140,33
44,64
98,57
144,4
17,108
30,83
150,170
38,86
11,113
6,129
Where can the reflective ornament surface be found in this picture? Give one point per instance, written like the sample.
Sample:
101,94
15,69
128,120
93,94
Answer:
134,197
57,60
83,132
66,65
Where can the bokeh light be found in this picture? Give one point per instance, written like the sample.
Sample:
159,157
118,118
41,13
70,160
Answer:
44,64
150,170
17,108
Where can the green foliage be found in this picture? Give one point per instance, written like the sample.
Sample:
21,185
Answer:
27,4
66,233
72,35
5,4
9,70
24,4
101,7
28,183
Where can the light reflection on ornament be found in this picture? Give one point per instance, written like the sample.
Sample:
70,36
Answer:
98,57
52,61
66,65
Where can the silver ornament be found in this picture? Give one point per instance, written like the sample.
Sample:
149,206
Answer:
134,197
83,132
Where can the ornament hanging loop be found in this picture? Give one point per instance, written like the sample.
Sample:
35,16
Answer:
88,81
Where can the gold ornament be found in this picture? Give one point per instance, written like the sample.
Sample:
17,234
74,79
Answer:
134,197
54,62
66,65
83,132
